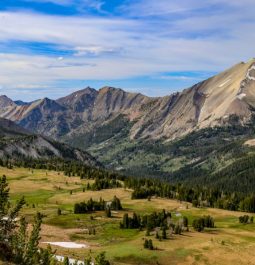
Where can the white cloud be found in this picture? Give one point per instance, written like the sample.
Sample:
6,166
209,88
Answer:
115,48
94,50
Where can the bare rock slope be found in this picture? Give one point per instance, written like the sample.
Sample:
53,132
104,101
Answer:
16,143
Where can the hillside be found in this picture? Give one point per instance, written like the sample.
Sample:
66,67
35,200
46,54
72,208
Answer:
9,128
17,143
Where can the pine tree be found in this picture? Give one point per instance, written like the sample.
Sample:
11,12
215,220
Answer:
16,244
47,257
125,221
33,241
150,244
108,212
146,243
101,259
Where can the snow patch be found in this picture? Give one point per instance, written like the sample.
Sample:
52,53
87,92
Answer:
224,83
248,73
241,96
71,261
67,244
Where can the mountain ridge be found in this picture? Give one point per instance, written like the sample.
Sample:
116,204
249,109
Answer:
209,103
17,143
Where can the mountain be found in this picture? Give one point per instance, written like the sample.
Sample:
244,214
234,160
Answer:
149,136
10,129
17,143
206,104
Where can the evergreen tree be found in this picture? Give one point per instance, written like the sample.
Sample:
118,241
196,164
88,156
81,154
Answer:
108,212
33,242
16,244
125,221
146,243
101,259
150,245
198,224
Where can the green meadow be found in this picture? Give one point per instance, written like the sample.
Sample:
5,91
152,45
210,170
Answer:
47,191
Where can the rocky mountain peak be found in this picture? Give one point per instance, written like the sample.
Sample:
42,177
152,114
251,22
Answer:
5,102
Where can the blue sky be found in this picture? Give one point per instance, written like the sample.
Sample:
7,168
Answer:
54,47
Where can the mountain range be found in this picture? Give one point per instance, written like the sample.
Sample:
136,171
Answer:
206,104
142,135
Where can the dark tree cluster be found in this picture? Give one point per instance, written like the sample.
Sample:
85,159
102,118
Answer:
101,184
199,196
205,221
149,221
101,205
148,244
245,219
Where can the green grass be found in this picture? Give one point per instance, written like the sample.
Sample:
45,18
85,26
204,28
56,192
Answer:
124,246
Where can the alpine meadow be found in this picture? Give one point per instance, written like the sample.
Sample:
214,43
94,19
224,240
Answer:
127,132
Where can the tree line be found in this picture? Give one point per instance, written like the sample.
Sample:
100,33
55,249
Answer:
199,196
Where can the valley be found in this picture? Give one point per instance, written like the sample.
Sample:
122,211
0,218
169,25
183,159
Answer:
47,191
127,132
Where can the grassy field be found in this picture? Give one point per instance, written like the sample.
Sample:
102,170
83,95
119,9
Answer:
46,191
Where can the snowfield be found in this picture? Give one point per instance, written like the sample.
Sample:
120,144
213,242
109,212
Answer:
67,244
